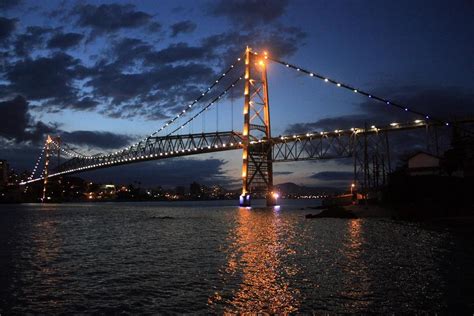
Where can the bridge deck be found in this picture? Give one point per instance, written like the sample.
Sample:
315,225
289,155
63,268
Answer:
307,146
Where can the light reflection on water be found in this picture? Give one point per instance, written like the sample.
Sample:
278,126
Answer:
210,258
356,281
254,254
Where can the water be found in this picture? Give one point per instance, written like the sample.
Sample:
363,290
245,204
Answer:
209,257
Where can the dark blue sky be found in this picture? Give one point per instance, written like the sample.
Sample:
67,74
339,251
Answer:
105,73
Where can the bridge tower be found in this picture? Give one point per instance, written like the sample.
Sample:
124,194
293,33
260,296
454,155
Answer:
52,145
257,168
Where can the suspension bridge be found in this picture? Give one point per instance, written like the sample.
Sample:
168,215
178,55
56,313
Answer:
368,146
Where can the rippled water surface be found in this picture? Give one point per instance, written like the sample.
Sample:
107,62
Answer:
199,257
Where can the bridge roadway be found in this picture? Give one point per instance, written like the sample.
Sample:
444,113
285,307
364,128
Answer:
307,146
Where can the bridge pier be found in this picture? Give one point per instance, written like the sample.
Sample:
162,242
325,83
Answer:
271,199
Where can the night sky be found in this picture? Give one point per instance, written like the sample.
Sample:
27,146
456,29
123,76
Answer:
103,74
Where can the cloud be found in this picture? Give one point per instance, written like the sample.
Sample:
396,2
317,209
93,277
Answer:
85,104
332,176
328,124
436,102
15,118
249,12
131,77
65,40
46,78
182,27
126,52
177,52
17,124
282,173
33,38
168,172
440,102
110,17
20,127
154,27
164,85
7,26
96,139
8,4
279,41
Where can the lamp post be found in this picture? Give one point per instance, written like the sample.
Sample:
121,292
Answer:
354,198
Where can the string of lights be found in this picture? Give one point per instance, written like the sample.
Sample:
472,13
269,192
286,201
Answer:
73,152
70,152
207,106
355,90
181,113
37,163
201,96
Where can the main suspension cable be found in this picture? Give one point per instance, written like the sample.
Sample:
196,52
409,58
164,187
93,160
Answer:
207,106
37,163
181,113
355,90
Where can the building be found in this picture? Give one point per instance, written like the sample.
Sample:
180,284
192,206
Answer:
4,173
424,164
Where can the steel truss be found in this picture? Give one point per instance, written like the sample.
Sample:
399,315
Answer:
153,148
368,147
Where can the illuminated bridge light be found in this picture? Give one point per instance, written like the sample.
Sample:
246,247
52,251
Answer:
418,121
373,126
326,80
338,84
394,124
355,90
